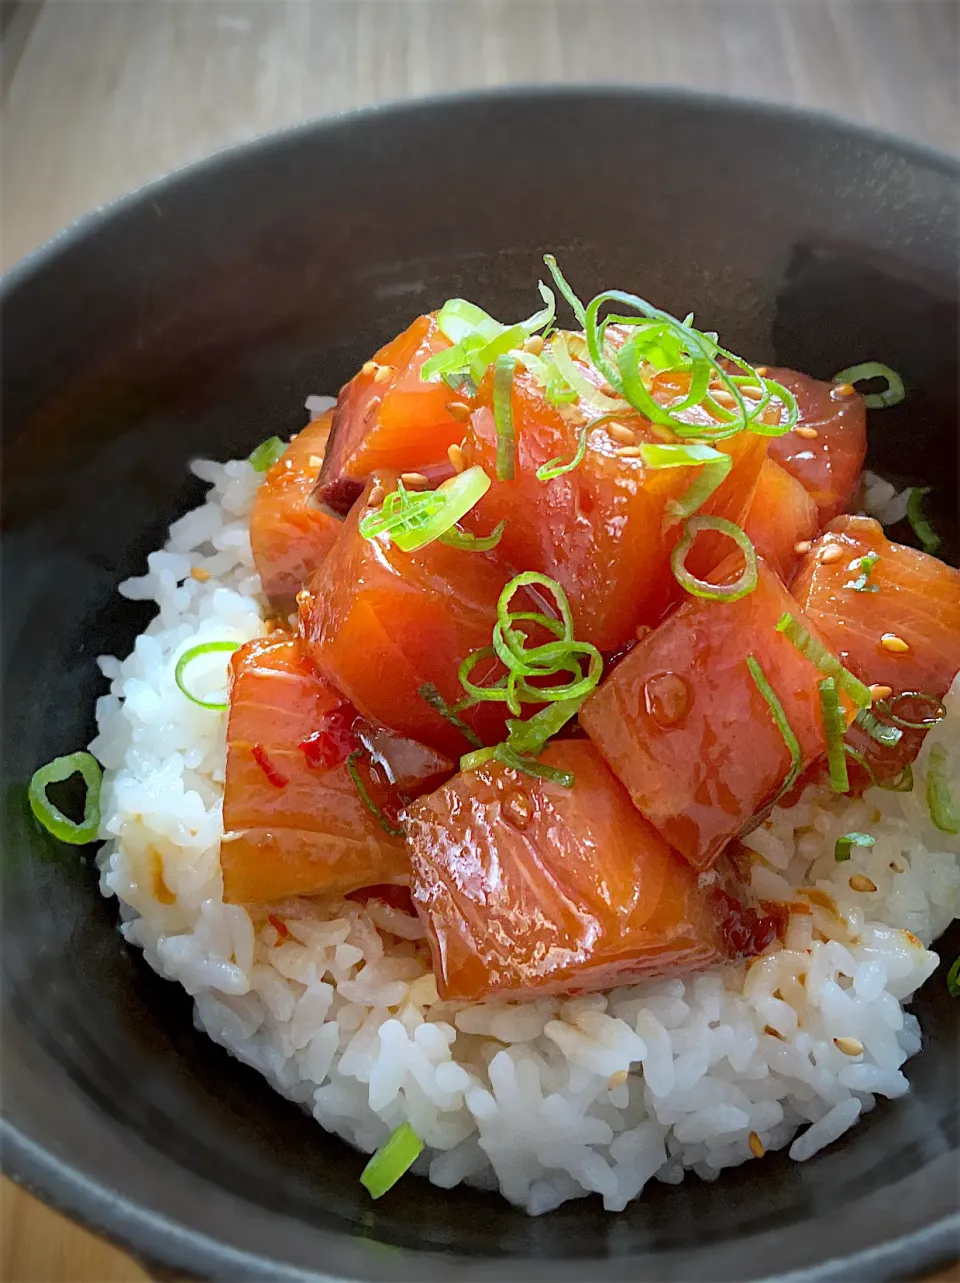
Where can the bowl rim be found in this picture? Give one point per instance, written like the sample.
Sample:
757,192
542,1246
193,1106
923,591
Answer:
156,1239
735,104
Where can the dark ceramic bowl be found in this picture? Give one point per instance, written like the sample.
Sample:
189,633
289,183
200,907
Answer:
191,318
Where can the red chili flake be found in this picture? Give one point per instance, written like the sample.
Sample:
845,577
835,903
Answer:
281,928
270,771
334,739
744,931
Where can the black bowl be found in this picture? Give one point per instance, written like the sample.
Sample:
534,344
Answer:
191,318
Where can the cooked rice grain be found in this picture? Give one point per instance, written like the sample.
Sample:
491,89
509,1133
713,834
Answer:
550,1099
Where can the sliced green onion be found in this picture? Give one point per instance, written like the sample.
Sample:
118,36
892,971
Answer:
834,728
429,693
943,811
745,582
391,1161
472,761
367,800
412,519
888,708
953,979
525,663
458,319
478,340
516,762
267,453
901,783
529,737
561,283
503,372
821,658
529,766
782,724
560,356
877,730
187,658
557,468
661,342
50,816
845,844
892,394
714,467
456,538
865,567
930,541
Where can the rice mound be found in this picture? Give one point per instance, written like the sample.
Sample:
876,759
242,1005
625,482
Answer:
547,1100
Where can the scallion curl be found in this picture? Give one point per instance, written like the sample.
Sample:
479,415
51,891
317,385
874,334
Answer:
561,283
525,663
745,582
662,342
50,816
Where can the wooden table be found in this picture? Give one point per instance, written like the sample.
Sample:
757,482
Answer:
100,95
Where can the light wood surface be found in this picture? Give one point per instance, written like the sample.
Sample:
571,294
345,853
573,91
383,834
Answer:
100,95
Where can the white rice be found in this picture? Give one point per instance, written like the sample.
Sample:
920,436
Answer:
546,1100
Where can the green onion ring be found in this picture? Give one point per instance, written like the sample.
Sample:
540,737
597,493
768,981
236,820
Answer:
782,724
529,737
456,538
900,783
844,845
930,541
391,1161
888,736
50,816
745,582
953,979
714,468
187,658
834,728
894,392
267,454
888,706
943,811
